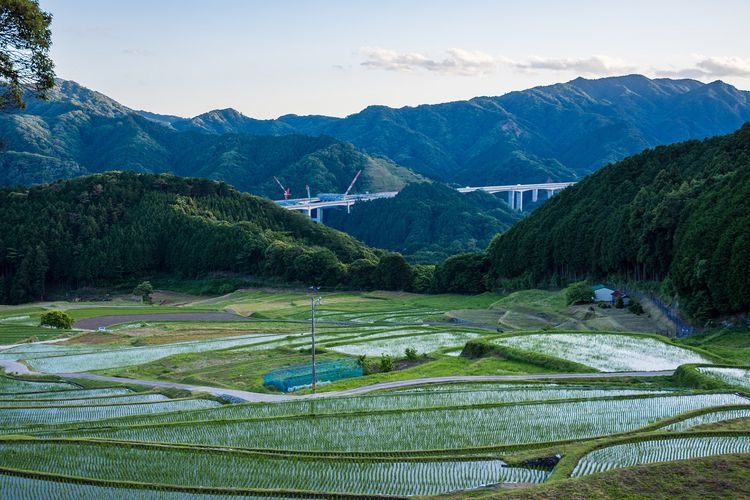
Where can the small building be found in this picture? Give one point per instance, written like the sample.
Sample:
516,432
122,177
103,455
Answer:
602,293
625,297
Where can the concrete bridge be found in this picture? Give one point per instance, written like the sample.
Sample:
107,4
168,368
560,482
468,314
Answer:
515,191
314,206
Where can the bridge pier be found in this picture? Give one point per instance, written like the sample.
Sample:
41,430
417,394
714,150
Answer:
534,195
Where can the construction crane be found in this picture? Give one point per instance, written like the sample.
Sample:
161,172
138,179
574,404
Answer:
356,176
287,191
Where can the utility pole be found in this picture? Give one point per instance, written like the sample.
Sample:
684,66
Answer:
313,302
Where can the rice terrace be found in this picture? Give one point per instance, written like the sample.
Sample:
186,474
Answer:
338,249
175,399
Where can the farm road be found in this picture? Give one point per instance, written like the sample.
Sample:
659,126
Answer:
257,397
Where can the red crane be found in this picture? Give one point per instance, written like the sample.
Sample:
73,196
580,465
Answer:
352,184
287,191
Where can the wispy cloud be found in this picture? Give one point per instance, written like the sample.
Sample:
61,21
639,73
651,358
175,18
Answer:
455,62
138,52
593,65
711,67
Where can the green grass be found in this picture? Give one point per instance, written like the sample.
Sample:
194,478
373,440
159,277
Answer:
228,368
13,334
732,345
714,477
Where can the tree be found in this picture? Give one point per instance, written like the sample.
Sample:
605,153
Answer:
57,319
578,293
25,40
144,290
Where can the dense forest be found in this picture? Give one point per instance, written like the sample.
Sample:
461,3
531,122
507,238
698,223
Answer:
679,214
427,222
108,227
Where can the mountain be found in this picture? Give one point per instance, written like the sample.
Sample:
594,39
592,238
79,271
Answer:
558,132
115,226
79,131
679,214
427,222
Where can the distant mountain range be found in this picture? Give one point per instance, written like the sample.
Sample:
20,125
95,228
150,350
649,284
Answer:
558,132
79,131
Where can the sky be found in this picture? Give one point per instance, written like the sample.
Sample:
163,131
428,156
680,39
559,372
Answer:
270,58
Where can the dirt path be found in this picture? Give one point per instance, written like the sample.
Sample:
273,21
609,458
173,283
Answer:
104,321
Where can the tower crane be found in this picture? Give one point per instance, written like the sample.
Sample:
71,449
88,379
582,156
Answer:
356,176
287,191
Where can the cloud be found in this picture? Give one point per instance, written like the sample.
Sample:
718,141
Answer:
593,65
138,52
711,67
455,62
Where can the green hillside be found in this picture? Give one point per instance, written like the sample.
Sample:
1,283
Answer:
79,131
427,222
677,213
113,226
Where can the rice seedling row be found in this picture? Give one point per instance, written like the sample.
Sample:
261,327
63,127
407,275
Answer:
395,346
98,401
732,376
434,429
61,362
707,418
659,450
14,418
68,394
187,467
496,393
607,352
14,386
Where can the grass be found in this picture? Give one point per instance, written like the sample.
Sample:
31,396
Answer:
714,477
733,345
228,368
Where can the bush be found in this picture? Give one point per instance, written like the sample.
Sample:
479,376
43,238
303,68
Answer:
636,308
411,353
57,319
386,363
578,293
619,303
144,291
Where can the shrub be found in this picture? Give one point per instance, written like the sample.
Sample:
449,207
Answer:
636,308
619,303
411,353
386,363
57,319
578,293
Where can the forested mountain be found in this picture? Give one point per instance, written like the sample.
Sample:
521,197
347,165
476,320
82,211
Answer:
678,213
106,227
558,132
79,131
427,222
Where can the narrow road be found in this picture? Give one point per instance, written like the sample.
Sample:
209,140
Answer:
257,397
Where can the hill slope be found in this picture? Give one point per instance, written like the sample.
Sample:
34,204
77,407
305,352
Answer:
79,131
119,225
679,212
561,131
427,222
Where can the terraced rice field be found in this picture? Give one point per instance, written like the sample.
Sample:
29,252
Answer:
216,469
708,418
732,376
431,429
14,386
607,352
394,346
661,450
66,359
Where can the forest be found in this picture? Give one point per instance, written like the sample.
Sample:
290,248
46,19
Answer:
677,214
108,227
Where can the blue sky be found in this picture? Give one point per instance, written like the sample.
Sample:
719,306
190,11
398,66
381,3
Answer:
271,58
